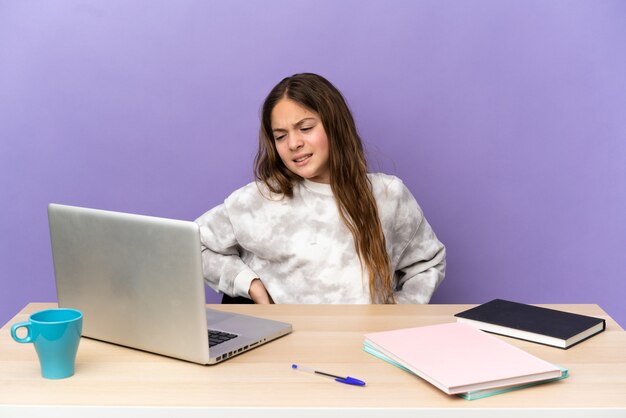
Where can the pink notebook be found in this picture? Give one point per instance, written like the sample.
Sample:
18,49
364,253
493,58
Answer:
459,358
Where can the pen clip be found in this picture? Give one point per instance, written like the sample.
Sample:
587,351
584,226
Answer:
350,381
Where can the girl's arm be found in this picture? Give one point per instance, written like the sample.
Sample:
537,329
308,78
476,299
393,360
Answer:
418,257
258,292
223,268
421,267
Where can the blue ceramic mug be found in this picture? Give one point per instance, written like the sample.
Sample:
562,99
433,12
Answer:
56,335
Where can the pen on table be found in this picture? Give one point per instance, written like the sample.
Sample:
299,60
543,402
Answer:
347,380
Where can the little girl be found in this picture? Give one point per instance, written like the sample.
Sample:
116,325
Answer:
316,227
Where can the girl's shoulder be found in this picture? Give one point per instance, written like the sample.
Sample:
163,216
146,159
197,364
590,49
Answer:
253,194
395,201
387,186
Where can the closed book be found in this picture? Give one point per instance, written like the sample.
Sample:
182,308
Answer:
532,323
472,395
458,358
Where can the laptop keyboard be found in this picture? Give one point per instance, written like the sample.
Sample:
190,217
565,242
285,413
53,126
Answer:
218,337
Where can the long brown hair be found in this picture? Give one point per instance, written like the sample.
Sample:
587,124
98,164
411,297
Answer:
347,167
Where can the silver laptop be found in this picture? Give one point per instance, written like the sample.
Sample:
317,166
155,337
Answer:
138,281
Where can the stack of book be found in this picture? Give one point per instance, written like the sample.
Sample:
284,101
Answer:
461,360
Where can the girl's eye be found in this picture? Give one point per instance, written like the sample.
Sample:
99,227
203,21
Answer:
278,138
306,129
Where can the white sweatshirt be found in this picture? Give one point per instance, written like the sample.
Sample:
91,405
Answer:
303,252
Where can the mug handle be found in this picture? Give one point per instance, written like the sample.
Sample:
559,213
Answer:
14,329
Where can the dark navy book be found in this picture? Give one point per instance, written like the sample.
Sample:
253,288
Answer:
532,323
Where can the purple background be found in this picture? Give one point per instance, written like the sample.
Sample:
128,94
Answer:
506,119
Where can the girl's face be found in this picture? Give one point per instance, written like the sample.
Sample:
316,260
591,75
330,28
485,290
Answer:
301,140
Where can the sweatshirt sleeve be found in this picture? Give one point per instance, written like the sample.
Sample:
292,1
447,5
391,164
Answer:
421,265
222,266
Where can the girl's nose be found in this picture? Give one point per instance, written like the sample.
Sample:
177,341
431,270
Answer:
295,141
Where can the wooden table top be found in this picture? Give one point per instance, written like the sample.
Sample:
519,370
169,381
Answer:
327,337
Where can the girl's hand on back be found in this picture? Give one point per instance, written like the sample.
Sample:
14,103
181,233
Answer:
258,293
